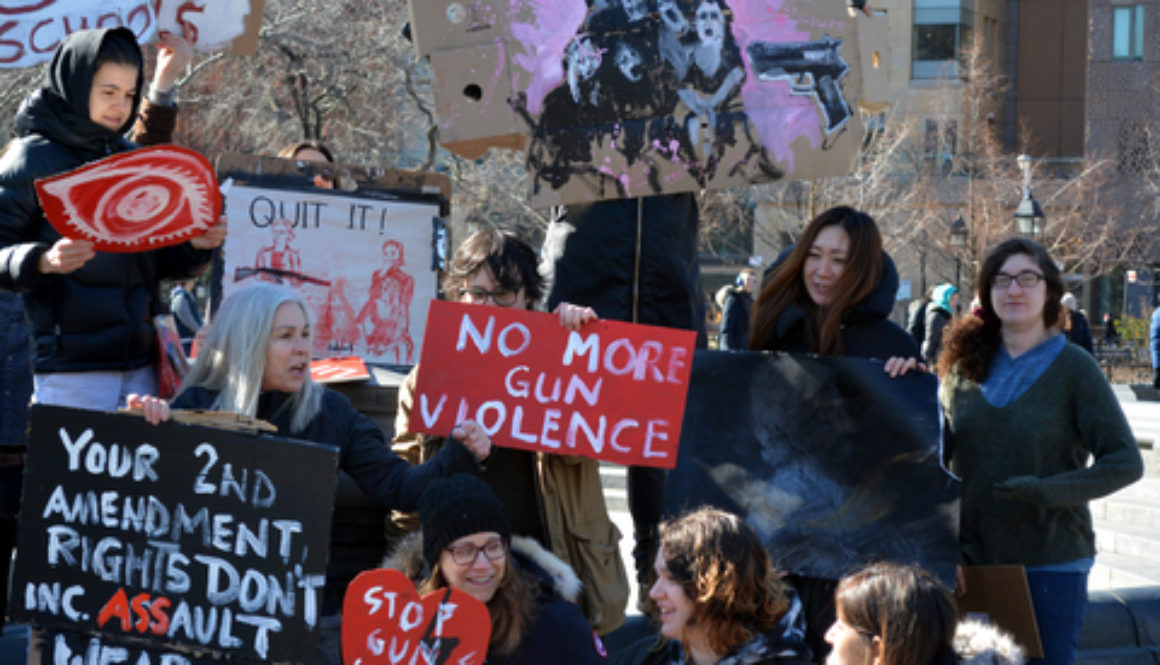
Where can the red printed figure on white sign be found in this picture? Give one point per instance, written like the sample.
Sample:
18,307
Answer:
388,307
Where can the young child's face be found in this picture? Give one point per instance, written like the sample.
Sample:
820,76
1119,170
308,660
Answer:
112,94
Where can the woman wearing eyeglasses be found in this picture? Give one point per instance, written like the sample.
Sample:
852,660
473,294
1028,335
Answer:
556,499
1024,412
467,543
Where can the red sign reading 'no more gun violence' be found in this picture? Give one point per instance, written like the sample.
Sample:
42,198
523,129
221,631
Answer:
612,391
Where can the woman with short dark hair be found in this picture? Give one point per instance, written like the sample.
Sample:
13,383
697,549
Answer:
558,500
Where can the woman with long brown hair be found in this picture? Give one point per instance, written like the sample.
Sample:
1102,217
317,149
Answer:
1024,413
892,614
832,294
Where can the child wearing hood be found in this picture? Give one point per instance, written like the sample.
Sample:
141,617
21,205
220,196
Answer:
90,313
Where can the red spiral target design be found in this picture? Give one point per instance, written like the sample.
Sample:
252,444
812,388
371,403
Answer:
134,201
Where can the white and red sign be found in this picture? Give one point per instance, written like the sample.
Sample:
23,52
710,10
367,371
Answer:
385,621
338,370
134,201
613,391
30,30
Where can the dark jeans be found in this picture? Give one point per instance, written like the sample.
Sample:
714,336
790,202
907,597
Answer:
1060,599
10,481
646,500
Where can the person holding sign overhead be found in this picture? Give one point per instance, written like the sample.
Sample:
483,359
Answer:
832,294
90,312
1034,431
467,543
556,499
256,362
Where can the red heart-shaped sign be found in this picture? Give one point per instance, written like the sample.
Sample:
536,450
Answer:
385,621
134,201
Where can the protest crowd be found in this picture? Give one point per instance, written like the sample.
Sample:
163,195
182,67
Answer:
1030,428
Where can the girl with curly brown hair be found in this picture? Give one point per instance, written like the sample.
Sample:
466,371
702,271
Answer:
718,598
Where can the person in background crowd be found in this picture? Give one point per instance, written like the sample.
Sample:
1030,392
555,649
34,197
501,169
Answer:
466,542
90,313
1154,337
1024,412
632,260
944,303
256,362
718,599
832,294
186,313
735,312
555,499
1075,324
890,614
307,151
916,323
1111,336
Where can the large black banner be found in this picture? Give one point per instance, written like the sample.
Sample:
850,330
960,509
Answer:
832,461
169,544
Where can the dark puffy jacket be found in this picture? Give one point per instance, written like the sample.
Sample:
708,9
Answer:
629,259
100,316
867,331
364,454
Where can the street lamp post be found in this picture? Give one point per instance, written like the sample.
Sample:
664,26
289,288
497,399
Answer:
959,236
1029,216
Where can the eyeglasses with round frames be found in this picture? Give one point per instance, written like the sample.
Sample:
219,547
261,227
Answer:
502,296
1025,279
467,553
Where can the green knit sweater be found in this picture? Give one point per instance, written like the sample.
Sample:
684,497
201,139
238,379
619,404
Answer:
1024,467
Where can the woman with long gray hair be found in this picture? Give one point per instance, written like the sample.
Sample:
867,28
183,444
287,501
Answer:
256,362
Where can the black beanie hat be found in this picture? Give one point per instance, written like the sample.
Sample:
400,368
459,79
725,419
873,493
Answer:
458,506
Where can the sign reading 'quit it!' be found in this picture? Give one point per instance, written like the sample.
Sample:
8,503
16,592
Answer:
611,391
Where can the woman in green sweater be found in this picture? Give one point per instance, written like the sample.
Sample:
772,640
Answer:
1024,411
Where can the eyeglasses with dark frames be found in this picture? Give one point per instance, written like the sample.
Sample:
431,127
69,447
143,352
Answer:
466,554
503,297
1025,279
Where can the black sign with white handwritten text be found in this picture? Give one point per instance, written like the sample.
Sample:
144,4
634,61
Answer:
176,537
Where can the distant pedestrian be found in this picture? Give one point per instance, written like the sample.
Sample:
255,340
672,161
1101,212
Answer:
916,322
735,312
1155,343
186,313
1110,334
1075,324
943,304
1035,432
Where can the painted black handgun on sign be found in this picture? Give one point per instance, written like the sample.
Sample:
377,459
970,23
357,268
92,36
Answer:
814,68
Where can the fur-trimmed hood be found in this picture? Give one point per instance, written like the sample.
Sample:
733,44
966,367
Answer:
554,574
978,643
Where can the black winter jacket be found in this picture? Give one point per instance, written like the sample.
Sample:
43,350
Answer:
100,316
629,259
364,454
735,321
867,331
